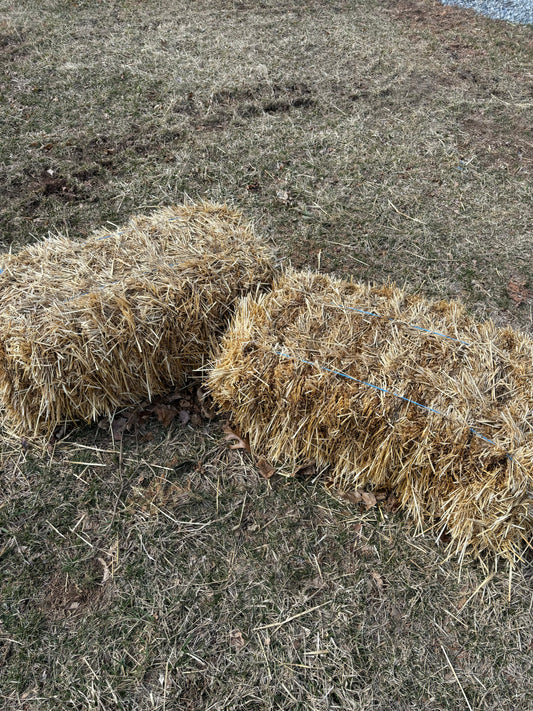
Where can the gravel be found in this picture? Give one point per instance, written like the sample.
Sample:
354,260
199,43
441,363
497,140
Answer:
520,11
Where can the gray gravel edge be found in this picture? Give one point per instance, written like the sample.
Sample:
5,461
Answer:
518,11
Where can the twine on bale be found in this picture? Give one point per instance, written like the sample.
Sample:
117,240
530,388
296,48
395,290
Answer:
86,327
389,406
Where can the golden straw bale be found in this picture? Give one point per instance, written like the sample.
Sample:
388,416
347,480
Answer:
393,391
91,326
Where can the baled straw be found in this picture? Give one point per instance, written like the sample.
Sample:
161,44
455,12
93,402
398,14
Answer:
88,327
393,391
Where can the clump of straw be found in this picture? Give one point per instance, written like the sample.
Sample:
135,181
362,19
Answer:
392,391
88,327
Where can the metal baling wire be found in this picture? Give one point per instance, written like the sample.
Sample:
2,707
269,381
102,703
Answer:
410,325
383,390
331,370
387,392
412,402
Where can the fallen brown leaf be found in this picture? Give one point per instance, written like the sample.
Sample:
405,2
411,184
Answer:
369,499
196,420
305,469
237,639
378,580
239,442
354,497
207,409
118,427
265,468
139,417
184,416
165,413
391,504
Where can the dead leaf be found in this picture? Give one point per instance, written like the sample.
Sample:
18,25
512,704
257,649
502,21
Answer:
239,442
305,469
170,398
237,639
207,409
517,290
369,499
265,468
354,497
118,427
184,416
196,420
377,579
462,602
165,413
391,504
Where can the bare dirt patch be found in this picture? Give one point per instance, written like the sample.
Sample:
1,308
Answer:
66,599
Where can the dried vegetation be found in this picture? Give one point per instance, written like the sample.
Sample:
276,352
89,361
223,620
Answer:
88,327
379,139
390,390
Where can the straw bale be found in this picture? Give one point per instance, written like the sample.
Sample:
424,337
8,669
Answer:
464,466
86,327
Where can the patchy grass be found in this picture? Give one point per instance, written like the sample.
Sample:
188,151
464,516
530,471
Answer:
393,139
169,574
385,139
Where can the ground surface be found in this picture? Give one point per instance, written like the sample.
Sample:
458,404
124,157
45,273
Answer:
377,140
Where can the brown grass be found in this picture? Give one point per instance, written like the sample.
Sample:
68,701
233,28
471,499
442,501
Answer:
385,139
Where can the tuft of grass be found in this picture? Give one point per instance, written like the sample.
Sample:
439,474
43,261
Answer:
377,140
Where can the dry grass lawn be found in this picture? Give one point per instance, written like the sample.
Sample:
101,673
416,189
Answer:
154,568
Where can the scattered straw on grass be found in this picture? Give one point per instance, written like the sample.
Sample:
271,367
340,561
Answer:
389,390
88,327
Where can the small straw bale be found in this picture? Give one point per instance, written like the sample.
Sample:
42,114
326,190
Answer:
86,327
389,390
